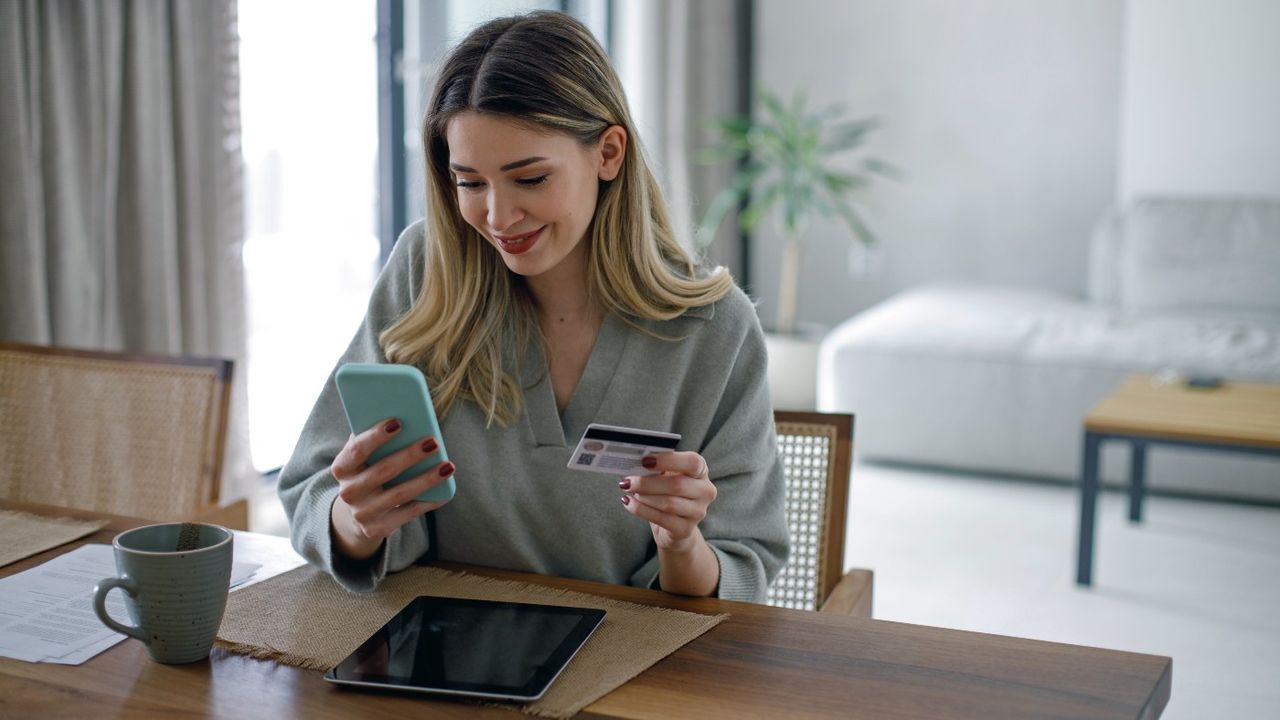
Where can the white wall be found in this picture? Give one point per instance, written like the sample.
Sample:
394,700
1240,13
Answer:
1201,109
1004,113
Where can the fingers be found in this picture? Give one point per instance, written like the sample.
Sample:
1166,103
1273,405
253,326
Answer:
678,525
351,460
376,516
369,510
671,505
677,498
684,463
403,493
361,480
694,488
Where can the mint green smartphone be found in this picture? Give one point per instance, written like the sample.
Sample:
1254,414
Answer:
373,392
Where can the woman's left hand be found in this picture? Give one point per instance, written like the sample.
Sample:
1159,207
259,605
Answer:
674,501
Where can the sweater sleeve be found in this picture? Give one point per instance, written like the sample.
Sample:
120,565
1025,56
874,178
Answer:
307,488
746,525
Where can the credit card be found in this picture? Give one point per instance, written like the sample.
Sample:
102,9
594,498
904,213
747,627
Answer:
618,450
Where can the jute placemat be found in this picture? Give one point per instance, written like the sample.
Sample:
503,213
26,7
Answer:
23,534
304,618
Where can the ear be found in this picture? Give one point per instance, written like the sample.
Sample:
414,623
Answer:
612,148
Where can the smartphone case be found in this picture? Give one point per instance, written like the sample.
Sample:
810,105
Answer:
373,392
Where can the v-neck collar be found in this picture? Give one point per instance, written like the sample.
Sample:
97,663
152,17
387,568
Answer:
548,427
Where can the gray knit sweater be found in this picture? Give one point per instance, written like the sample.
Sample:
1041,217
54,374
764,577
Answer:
518,506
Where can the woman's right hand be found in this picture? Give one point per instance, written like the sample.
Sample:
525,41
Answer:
365,513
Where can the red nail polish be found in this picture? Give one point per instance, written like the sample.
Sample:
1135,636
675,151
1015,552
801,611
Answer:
626,500
392,426
446,469
429,446
625,484
650,462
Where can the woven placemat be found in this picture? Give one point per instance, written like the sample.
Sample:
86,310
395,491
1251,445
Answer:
23,534
304,618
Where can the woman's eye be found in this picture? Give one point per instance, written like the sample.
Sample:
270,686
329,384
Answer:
469,184
533,180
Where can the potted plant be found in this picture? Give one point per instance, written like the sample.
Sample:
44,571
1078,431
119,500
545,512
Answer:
787,171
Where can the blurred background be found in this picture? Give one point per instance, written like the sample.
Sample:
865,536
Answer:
1044,197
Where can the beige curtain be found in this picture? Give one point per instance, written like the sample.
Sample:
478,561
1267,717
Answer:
680,62
120,183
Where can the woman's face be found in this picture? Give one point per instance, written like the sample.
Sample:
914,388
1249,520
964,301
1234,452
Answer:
532,194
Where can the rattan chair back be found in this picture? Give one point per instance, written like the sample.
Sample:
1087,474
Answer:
124,434
817,457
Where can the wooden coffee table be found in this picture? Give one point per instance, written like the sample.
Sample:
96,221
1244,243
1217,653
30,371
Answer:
1236,417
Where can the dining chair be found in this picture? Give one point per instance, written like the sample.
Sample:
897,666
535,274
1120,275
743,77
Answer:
817,458
119,433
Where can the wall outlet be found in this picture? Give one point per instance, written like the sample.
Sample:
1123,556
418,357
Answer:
865,262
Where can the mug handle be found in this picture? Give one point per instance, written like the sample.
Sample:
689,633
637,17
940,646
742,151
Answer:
100,591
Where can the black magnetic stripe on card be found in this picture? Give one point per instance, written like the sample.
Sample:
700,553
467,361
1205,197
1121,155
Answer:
633,438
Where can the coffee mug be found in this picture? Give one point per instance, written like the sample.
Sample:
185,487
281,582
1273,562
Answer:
175,577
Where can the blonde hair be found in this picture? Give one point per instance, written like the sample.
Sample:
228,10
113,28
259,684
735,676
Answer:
547,70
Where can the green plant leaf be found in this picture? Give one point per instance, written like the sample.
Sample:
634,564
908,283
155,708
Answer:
838,183
759,206
849,135
791,151
773,105
849,216
735,127
884,169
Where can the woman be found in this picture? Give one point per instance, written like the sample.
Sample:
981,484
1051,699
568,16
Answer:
546,292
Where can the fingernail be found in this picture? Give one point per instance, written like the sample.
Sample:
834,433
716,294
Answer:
429,446
625,484
446,469
626,499
650,462
392,426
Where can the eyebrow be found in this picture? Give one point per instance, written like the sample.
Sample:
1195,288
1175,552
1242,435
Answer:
504,168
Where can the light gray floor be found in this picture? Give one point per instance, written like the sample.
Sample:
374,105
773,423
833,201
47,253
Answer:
1196,581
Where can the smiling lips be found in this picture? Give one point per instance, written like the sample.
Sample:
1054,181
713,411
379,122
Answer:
516,244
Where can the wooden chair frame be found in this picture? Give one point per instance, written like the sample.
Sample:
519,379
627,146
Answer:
851,592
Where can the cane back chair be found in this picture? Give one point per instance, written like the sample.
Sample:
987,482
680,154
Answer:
817,457
126,434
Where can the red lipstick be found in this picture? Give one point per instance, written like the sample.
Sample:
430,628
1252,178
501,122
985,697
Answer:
516,244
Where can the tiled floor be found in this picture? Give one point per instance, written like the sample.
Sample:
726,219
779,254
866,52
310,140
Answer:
1196,581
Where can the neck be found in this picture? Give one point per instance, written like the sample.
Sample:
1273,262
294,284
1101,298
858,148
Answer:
560,294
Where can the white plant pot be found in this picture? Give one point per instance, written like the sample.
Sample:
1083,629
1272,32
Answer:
793,371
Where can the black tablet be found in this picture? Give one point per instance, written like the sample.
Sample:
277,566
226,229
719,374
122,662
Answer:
475,648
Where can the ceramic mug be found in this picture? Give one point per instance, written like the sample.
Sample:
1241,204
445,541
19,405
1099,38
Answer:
175,577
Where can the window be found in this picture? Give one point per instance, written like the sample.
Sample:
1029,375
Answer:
309,117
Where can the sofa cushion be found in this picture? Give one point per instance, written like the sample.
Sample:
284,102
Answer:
1000,379
1022,325
1184,254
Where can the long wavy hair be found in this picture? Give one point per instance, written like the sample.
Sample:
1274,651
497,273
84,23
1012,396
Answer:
545,69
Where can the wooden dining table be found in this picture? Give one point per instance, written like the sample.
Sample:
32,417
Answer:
760,662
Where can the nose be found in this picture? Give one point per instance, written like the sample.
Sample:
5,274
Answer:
504,213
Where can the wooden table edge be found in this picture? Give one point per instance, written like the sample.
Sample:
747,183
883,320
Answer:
1155,704
1157,435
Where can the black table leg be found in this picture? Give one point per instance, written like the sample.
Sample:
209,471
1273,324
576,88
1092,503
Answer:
1088,508
1137,480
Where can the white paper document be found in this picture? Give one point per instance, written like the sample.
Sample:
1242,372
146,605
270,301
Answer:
46,613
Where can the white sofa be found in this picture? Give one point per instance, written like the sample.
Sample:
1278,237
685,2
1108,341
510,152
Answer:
999,379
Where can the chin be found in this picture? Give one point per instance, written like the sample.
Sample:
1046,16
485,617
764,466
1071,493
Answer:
523,265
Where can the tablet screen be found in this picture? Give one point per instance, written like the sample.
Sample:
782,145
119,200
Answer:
470,647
